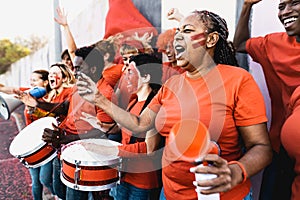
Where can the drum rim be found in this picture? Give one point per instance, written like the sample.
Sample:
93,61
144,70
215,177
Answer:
83,162
91,163
50,158
29,152
13,147
87,188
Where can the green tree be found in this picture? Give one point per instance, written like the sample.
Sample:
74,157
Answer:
9,53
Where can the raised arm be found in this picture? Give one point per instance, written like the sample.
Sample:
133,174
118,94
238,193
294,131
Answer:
62,20
88,90
6,89
242,32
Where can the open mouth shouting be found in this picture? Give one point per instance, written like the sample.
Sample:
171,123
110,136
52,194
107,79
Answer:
179,51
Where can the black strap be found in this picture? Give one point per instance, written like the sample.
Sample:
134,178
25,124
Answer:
134,139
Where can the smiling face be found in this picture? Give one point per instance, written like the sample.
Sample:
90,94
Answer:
37,81
170,52
190,43
289,16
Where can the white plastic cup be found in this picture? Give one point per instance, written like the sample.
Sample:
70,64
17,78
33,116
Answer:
201,177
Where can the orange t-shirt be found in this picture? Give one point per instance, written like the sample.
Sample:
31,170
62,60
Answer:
290,134
278,54
168,70
73,124
141,170
224,98
64,95
113,74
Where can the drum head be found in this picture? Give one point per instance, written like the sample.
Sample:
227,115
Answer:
74,152
30,138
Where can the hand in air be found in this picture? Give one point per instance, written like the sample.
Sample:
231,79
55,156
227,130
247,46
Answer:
86,88
61,18
174,14
146,38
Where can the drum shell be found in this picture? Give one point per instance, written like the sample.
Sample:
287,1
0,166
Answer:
29,147
89,175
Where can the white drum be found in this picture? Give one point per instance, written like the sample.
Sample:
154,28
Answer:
87,171
29,147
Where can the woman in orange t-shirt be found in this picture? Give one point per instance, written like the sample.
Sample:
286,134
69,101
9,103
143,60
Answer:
140,172
223,97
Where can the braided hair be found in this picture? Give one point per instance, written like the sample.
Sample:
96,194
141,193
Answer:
224,51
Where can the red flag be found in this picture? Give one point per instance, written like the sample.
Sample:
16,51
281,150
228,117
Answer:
123,17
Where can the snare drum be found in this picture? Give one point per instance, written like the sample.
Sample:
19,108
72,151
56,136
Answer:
86,171
29,147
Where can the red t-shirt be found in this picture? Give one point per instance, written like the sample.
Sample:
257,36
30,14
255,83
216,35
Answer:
290,134
168,70
56,98
224,98
73,124
141,169
279,56
113,74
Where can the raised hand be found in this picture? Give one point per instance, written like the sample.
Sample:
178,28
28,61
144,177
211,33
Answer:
86,88
61,17
174,14
145,40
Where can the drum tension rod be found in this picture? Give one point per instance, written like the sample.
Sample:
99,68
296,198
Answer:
77,174
23,161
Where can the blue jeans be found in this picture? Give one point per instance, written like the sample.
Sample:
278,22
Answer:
126,191
58,186
72,194
41,176
248,197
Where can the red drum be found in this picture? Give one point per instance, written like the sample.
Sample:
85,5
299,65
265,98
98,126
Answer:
29,147
87,171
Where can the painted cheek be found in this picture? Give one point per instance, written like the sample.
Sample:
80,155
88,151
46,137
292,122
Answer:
57,79
198,40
